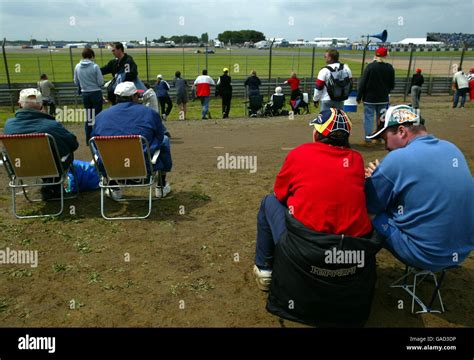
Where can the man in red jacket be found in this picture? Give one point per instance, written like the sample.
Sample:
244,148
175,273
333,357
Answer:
321,184
203,84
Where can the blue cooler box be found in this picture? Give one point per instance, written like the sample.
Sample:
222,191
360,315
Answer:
350,105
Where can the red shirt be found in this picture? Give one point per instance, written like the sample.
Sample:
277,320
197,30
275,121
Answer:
294,83
323,187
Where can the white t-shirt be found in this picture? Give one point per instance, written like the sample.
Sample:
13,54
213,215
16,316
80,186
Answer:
324,75
461,79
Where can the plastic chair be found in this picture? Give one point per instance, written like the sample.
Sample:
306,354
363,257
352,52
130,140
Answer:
33,157
123,163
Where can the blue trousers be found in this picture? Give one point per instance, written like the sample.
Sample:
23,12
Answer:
328,104
91,100
371,110
271,226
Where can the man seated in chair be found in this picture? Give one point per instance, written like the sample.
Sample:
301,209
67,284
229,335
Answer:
129,117
31,120
421,194
277,101
318,205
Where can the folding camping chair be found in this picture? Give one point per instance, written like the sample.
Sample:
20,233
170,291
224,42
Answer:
275,107
33,157
411,287
255,105
123,163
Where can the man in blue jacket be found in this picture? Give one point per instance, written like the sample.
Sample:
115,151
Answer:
162,88
422,194
31,120
128,117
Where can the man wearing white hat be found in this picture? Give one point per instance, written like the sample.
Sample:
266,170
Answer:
129,117
422,194
31,120
162,87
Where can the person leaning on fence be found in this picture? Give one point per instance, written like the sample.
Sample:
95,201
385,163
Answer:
162,87
47,88
374,89
89,79
203,84
421,193
122,66
181,86
253,84
321,94
224,90
294,83
460,87
129,117
416,83
31,120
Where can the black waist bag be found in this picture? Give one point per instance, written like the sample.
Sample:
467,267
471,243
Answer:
312,283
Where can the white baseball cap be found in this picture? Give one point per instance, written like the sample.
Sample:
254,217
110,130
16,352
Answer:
396,115
159,76
26,93
126,88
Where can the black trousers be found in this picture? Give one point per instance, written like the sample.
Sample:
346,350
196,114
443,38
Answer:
226,99
166,105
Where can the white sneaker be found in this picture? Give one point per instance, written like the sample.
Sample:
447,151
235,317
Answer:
162,192
263,278
114,193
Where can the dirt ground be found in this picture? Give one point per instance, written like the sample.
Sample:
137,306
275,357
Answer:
194,269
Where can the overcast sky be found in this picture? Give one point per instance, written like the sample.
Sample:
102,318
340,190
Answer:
126,20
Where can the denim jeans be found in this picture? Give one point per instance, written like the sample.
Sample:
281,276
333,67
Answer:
91,100
371,111
271,226
205,104
460,93
327,104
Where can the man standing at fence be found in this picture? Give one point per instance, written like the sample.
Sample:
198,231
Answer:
416,83
224,89
46,87
122,68
203,85
461,87
374,88
162,87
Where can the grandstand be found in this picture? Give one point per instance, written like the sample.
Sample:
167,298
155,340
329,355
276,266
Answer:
455,40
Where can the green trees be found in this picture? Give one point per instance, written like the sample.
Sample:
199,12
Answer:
241,36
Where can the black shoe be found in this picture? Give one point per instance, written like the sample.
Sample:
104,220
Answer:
168,134
210,117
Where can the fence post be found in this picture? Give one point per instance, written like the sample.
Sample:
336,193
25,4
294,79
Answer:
72,71
7,73
207,65
146,59
299,55
408,76
464,46
101,55
270,66
312,65
39,66
184,66
52,65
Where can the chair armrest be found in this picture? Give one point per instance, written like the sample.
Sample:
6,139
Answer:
155,157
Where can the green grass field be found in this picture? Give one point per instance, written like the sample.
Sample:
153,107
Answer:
26,65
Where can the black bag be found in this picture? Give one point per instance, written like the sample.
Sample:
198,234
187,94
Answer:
339,84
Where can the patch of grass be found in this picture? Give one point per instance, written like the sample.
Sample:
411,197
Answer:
198,285
3,305
25,242
94,277
83,247
19,273
198,194
60,267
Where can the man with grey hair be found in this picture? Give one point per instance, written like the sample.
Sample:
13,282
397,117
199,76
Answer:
31,120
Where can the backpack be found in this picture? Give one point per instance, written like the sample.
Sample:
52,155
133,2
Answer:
339,84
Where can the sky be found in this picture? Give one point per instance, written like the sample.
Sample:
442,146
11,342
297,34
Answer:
125,20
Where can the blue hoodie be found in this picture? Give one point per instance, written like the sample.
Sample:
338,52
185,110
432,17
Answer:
88,76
